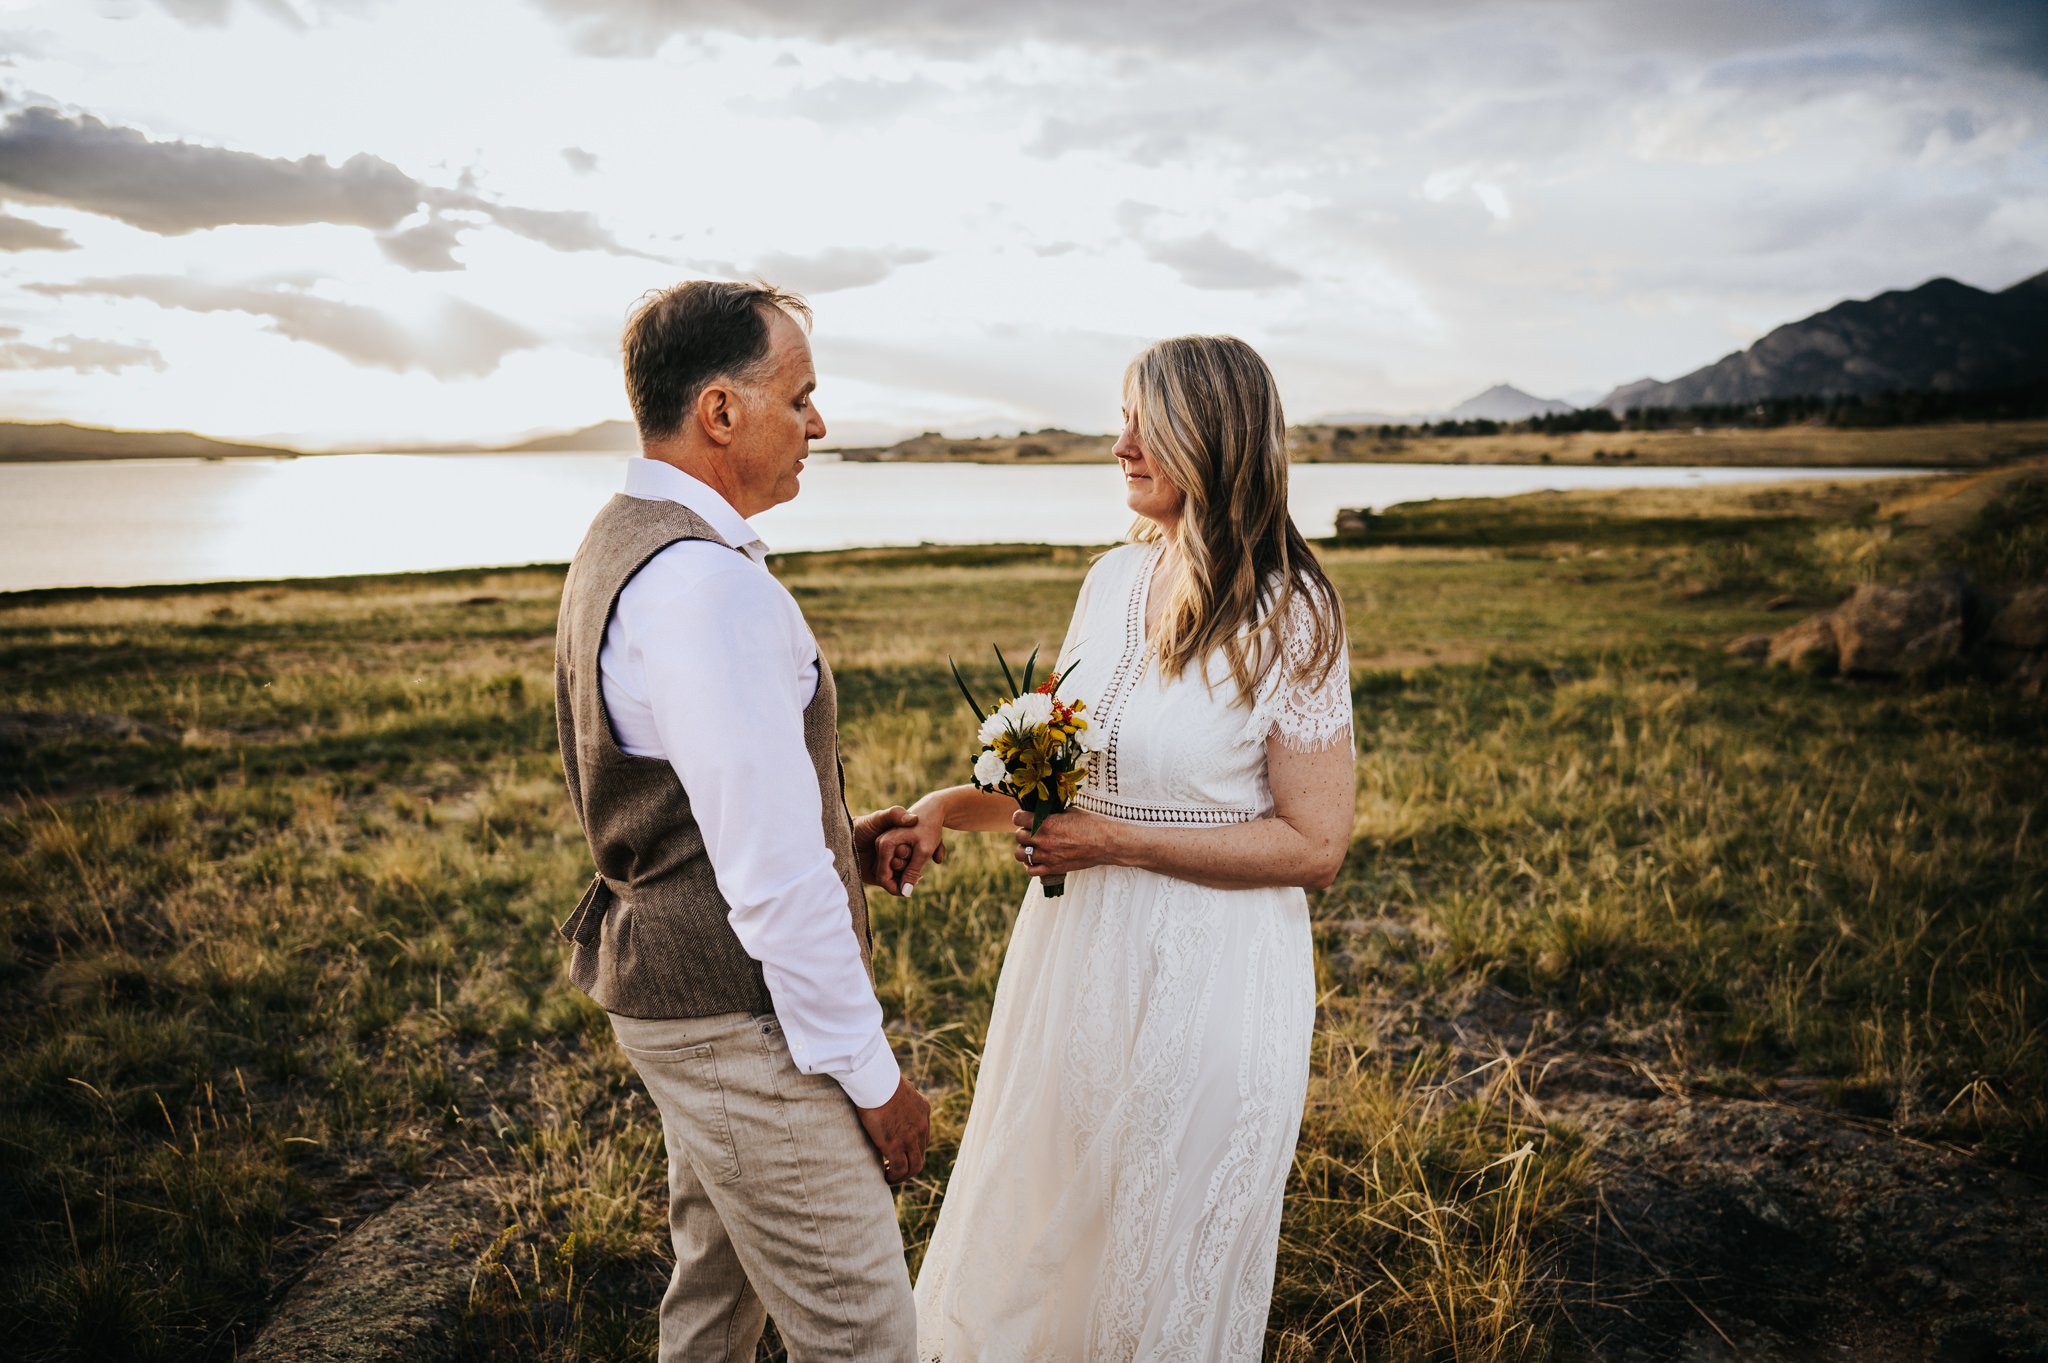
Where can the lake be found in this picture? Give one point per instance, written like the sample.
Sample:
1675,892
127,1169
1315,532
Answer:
137,521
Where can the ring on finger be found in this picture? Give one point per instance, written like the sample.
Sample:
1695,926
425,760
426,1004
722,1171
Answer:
1029,852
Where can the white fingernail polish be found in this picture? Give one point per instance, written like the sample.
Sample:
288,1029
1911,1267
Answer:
907,889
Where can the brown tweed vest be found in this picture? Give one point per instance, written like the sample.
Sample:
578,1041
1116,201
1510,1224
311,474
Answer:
651,935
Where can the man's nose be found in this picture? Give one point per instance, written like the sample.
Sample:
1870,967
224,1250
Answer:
814,429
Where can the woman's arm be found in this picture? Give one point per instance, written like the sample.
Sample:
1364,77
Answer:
903,850
1303,842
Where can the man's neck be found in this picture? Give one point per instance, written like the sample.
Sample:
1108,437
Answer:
704,465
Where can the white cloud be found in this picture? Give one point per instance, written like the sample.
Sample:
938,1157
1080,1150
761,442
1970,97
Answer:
996,204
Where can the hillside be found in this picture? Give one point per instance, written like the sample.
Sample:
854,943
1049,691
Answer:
603,438
1943,336
25,442
1049,446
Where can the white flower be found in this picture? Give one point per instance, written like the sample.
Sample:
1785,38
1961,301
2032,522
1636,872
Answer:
989,771
1030,712
990,727
1090,739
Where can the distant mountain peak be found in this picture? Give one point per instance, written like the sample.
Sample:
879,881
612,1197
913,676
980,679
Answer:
1942,335
1505,402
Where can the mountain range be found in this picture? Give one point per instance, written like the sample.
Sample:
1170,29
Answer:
1943,336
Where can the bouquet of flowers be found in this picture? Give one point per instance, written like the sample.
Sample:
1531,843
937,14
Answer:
1035,748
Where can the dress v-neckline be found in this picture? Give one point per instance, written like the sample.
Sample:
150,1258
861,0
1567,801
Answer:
1145,578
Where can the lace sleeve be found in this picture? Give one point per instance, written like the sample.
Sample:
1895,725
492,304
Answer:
1307,716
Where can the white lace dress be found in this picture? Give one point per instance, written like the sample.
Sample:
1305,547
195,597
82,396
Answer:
1117,1192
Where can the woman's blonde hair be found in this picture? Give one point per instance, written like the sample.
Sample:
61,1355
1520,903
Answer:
1209,418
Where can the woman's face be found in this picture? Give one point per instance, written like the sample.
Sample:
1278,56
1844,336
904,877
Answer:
1146,490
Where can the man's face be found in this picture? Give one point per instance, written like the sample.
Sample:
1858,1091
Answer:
777,422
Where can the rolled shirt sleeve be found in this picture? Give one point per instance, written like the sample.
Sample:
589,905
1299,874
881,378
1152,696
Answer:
726,660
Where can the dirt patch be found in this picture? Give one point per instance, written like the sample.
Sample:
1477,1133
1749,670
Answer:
390,1291
1729,1228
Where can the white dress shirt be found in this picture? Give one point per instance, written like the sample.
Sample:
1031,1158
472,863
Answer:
708,664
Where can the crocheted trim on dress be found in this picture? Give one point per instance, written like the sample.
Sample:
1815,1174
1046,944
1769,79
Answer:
1205,816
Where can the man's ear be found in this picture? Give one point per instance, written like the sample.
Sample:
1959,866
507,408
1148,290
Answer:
717,412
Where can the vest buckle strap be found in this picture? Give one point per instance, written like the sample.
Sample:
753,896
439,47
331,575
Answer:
585,923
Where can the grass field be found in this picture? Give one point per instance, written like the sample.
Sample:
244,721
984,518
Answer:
280,865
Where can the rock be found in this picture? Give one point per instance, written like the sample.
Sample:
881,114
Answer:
390,1291
1885,631
2023,623
1750,647
1808,646
1352,521
1783,602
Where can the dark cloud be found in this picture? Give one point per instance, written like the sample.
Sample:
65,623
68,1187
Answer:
1206,261
2008,30
581,161
557,229
171,188
461,341
426,248
82,354
21,234
835,269
176,187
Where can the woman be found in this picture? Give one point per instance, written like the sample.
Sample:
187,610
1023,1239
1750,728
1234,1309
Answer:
1117,1192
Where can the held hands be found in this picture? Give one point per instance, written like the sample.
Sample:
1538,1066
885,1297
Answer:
899,1130
1073,841
903,851
892,845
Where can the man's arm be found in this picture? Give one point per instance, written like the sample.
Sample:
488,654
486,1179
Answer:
722,654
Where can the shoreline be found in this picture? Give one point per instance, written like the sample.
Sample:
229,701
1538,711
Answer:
1940,445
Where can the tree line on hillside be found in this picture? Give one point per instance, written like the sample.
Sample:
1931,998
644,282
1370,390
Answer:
1849,411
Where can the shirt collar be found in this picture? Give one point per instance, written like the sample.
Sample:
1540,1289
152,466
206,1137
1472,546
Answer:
653,480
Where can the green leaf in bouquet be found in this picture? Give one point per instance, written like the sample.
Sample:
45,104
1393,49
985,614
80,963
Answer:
1008,679
961,682
1029,663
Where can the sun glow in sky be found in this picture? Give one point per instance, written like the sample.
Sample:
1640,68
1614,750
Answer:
337,222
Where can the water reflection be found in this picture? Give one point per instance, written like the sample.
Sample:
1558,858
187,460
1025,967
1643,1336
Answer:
144,521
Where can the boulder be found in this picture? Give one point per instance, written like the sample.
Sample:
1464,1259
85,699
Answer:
1353,522
1808,646
1887,631
1750,647
2023,623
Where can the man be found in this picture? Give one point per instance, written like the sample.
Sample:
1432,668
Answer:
726,933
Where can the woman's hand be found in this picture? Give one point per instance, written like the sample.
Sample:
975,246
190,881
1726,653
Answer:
1073,841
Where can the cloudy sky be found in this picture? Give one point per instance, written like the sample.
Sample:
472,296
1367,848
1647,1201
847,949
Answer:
343,222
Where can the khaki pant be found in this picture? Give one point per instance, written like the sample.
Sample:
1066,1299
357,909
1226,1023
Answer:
777,1205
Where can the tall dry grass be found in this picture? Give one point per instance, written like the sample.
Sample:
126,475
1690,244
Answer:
283,945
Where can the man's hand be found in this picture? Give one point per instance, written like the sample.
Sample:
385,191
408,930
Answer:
871,856
899,1130
899,848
